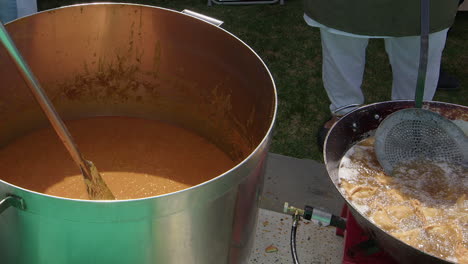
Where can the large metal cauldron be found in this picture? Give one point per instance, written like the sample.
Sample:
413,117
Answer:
360,124
141,61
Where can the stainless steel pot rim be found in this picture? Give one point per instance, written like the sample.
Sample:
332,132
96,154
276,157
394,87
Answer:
236,167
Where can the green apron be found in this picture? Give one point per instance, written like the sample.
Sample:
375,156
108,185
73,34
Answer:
395,18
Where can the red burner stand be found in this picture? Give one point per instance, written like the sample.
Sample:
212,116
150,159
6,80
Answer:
358,248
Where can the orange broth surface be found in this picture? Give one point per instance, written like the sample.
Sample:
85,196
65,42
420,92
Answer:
136,157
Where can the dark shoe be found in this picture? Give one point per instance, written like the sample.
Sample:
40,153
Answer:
447,82
323,132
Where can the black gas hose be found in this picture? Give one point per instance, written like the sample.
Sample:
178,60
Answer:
293,239
309,213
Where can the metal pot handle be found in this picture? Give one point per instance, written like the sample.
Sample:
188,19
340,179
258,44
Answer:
11,200
208,19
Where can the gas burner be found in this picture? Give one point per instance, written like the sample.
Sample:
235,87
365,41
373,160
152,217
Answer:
358,247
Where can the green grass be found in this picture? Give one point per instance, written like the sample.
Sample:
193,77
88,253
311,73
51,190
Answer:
292,52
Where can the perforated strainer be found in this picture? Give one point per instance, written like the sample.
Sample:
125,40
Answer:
416,133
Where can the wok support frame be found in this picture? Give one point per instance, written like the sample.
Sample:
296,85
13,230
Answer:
359,248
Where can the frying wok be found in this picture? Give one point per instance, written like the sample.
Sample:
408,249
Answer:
360,124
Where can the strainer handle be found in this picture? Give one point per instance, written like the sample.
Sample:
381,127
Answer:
423,53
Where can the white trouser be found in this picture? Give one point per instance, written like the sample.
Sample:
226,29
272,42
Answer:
13,9
344,59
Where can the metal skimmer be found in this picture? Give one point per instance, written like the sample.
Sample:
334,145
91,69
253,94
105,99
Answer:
413,133
416,133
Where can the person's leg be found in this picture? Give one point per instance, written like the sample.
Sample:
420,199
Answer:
8,10
343,65
26,7
403,54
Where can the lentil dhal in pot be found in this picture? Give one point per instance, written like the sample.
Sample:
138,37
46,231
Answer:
137,158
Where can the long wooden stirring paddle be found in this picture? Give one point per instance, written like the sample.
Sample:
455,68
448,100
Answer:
95,185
